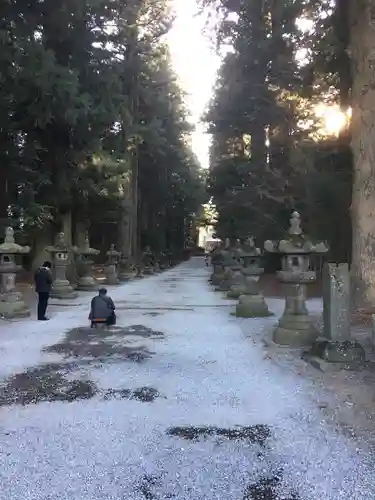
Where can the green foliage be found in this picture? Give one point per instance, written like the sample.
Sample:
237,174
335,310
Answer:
263,163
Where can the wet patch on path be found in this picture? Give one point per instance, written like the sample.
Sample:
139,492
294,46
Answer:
147,484
45,383
255,434
106,344
50,383
143,394
269,488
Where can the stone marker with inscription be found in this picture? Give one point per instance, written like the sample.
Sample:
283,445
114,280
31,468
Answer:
336,350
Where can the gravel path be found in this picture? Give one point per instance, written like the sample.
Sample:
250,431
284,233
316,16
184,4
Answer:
175,403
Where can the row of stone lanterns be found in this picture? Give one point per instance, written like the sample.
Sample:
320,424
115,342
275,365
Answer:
12,304
238,270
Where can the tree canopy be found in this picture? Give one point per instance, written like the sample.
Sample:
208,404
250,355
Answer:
93,123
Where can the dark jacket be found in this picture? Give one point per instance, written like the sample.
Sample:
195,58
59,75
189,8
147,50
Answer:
102,307
43,280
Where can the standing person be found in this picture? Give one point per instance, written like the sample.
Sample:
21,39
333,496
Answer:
43,284
102,309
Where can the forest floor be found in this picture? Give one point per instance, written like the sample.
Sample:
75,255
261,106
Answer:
180,400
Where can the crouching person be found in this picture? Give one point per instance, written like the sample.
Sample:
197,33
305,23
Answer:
102,309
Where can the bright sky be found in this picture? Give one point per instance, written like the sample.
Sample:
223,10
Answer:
196,64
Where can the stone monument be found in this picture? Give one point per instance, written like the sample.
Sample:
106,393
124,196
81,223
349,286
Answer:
111,266
61,287
251,303
85,254
337,350
11,302
295,326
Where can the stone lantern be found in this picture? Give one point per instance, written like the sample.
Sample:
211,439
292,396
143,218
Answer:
295,326
236,281
251,303
216,261
111,266
125,272
61,287
11,302
229,263
237,250
86,280
147,261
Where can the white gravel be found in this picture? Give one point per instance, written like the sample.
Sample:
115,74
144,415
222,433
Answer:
210,375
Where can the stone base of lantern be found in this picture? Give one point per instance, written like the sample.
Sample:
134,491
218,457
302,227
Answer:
139,273
157,267
12,306
148,270
328,356
63,290
223,286
235,291
217,278
87,283
295,330
252,306
111,277
125,276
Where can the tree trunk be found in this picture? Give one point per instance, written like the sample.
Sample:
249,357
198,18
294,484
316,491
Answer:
363,147
124,241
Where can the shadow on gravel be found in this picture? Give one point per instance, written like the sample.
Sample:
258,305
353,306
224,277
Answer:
46,383
101,344
255,434
268,489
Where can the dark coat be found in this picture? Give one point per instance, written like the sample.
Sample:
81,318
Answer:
102,307
43,280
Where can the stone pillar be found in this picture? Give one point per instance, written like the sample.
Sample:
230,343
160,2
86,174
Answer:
12,304
336,301
337,350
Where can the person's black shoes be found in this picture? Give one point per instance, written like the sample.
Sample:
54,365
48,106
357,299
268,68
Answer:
43,319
